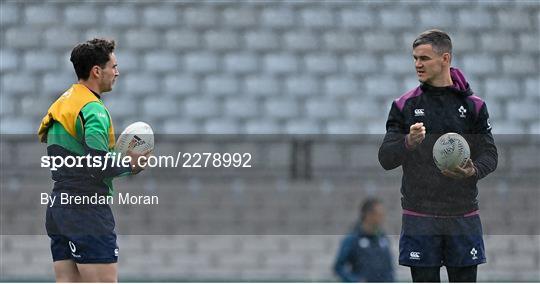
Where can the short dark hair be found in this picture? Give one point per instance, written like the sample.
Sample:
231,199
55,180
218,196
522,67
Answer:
88,54
439,40
367,207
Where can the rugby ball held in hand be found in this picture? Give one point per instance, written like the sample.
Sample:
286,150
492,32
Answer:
450,151
142,136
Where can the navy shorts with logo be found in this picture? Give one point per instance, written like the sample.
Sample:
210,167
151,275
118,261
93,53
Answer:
84,234
441,241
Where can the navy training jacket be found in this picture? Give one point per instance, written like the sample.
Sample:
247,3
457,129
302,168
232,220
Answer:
442,109
364,258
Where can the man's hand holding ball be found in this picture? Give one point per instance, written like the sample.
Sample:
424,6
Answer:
137,159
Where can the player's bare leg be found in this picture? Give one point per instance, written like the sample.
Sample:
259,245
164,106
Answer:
102,272
66,271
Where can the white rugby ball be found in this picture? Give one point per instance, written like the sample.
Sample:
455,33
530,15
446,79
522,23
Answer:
451,150
142,136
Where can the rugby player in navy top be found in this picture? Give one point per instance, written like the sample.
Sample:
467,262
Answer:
441,223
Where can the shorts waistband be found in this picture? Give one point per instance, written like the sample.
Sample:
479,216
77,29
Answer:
418,214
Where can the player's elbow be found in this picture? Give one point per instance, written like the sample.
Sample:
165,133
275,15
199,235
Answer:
340,273
387,165
335,270
494,161
495,158
386,161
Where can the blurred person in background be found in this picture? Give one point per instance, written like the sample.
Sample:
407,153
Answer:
364,255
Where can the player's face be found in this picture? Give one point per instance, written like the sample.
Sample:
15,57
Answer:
378,212
428,64
109,74
377,215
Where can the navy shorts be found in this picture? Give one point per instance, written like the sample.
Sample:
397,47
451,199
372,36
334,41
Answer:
441,241
83,234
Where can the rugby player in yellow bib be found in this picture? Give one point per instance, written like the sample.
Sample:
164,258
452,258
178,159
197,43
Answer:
83,240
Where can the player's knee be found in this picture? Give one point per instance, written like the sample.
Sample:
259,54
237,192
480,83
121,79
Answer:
68,278
98,272
108,279
101,278
66,271
111,277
